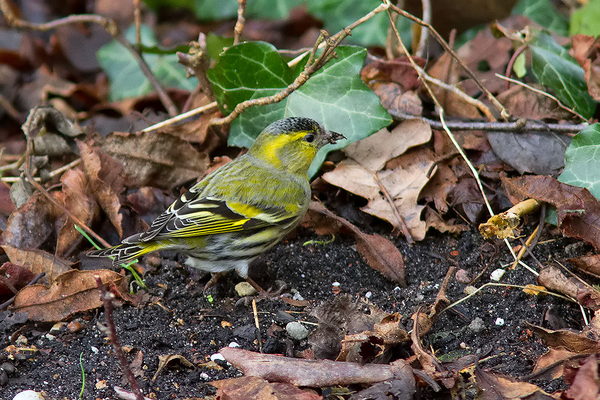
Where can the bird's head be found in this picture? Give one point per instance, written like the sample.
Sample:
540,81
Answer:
292,143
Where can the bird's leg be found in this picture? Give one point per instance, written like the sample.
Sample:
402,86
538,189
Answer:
213,279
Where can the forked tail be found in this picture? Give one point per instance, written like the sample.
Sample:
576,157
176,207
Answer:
123,252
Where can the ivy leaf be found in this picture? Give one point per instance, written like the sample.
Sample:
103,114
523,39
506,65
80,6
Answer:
555,68
545,14
582,161
335,96
126,78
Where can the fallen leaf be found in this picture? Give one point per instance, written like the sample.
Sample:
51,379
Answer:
589,264
30,225
13,277
165,359
578,211
105,178
71,292
586,384
550,364
554,279
78,200
495,387
568,339
522,102
380,253
154,159
254,388
38,261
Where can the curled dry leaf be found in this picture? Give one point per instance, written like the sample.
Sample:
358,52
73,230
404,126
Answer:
578,210
105,178
71,292
312,373
76,198
554,279
30,225
380,253
38,261
586,383
254,388
576,342
13,277
165,359
495,387
154,159
363,175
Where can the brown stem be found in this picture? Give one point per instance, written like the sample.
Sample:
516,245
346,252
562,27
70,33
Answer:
241,20
106,298
511,62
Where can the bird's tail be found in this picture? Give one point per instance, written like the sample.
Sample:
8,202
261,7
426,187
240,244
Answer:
123,252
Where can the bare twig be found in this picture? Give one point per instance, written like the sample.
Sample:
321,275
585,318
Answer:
386,194
426,4
477,103
109,25
511,62
181,117
106,298
137,17
197,61
561,105
241,20
447,48
516,126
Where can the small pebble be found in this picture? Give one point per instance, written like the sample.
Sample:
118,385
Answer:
283,318
477,325
3,378
234,344
244,289
217,357
469,289
296,330
75,326
368,295
497,274
21,341
462,276
28,395
50,336
298,297
500,321
94,349
205,376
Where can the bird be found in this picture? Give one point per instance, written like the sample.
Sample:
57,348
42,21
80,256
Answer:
241,209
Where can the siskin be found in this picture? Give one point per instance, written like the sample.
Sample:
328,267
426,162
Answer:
240,210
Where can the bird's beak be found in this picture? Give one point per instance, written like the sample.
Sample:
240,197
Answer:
333,137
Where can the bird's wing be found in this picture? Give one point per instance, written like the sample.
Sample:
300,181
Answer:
195,216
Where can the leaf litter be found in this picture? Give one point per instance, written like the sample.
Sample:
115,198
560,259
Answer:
408,176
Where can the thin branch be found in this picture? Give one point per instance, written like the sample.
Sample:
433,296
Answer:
109,25
477,103
196,59
511,63
181,117
561,105
106,298
313,65
426,4
447,48
516,126
137,17
241,20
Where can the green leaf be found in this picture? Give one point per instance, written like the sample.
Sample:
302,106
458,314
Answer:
585,20
211,10
271,9
544,13
337,14
582,160
555,68
335,96
215,45
126,78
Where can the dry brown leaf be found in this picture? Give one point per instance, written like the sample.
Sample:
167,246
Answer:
589,264
551,364
380,253
71,292
106,182
403,184
586,384
568,339
578,211
30,225
586,51
494,387
165,359
78,200
154,159
522,102
12,278
38,261
375,151
254,388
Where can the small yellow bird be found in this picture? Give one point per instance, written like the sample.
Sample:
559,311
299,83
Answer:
240,210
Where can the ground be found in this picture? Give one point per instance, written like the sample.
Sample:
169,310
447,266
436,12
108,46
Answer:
180,320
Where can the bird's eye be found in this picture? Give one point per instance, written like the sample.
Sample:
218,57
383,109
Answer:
309,138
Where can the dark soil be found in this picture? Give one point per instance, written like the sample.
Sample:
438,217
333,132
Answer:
184,322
